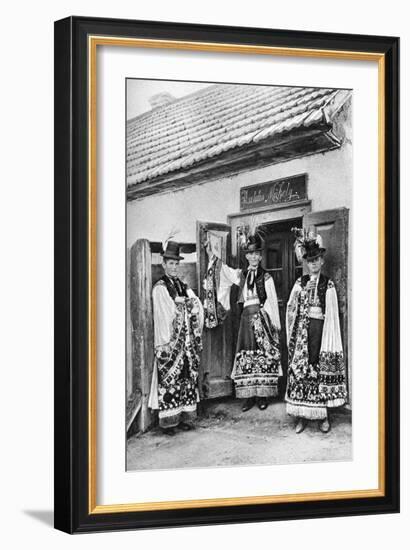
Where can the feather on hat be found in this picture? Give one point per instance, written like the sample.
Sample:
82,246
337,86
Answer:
308,245
250,236
170,249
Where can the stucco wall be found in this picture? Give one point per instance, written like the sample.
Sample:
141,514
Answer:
329,186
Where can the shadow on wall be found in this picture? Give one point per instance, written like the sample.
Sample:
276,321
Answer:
43,516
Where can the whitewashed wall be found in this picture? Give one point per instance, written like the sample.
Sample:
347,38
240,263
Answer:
329,186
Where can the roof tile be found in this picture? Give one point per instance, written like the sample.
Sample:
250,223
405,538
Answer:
215,120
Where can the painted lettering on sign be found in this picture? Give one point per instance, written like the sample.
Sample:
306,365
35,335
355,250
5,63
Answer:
274,192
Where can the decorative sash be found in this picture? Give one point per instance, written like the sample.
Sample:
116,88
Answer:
185,345
214,312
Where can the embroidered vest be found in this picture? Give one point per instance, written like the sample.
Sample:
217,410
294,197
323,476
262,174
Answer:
321,289
261,277
175,287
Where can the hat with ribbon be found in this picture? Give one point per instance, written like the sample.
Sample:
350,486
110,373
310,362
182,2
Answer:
250,237
308,245
254,243
171,251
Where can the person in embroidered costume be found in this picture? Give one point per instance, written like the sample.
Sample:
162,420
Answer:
316,369
178,323
257,364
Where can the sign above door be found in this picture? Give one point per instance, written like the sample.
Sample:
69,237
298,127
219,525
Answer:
284,190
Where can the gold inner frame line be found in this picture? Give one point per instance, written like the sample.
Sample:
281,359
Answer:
93,42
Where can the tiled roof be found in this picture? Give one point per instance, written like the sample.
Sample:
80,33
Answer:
214,120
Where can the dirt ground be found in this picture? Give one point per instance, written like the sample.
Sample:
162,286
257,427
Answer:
225,436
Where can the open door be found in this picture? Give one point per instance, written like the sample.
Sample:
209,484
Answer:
333,226
217,355
280,261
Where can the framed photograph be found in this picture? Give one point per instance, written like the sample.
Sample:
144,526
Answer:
226,274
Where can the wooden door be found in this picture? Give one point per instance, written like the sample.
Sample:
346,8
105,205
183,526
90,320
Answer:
279,260
333,226
142,339
217,355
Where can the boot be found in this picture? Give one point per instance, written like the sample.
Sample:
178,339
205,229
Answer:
262,403
249,403
324,426
300,426
185,427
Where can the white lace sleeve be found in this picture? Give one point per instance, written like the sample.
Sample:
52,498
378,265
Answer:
164,313
271,305
331,338
228,277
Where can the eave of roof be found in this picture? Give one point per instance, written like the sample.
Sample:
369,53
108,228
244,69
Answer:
232,162
202,128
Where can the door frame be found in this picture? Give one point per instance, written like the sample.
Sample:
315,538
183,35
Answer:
289,261
327,216
214,387
283,213
263,216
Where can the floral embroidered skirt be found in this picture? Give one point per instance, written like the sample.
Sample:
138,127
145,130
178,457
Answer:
174,388
303,394
257,360
177,402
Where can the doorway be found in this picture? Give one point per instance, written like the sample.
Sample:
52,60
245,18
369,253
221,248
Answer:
280,261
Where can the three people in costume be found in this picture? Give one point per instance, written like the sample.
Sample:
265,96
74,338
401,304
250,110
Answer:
257,364
316,369
316,379
178,323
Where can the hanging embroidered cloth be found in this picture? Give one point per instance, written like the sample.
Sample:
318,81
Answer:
214,312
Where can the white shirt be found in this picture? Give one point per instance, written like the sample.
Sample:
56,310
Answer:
230,276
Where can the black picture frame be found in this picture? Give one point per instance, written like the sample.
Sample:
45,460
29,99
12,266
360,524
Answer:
71,492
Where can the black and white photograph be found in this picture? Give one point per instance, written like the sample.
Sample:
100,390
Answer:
238,334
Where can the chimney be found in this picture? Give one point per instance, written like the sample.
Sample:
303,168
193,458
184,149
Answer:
161,99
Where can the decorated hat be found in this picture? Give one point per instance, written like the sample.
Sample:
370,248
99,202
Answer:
254,244
250,237
171,251
308,245
170,248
